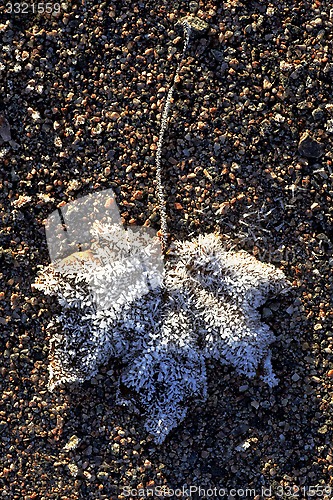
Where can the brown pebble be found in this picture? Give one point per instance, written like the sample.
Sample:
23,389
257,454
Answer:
138,195
14,299
114,116
224,207
177,40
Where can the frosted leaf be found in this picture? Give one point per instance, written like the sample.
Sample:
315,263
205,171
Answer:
166,323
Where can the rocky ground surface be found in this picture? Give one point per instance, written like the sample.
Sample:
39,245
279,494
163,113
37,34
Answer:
248,152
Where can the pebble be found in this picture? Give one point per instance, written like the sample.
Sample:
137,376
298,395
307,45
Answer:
5,129
72,444
193,7
310,147
318,114
266,83
255,404
114,116
243,388
138,195
199,26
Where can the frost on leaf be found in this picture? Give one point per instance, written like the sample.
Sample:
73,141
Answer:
162,320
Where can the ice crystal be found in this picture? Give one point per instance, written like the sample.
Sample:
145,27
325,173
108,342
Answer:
202,304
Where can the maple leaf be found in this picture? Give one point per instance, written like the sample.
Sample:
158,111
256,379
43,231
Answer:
164,325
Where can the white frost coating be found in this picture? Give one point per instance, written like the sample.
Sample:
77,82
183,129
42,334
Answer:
204,307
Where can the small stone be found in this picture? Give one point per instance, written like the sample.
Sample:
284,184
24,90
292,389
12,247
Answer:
114,116
266,84
138,195
72,444
295,377
228,34
198,26
329,126
103,476
303,105
193,7
217,54
316,22
14,300
21,201
330,373
318,114
5,129
224,207
328,68
309,147
73,469
240,429
243,388
115,448
177,40
204,454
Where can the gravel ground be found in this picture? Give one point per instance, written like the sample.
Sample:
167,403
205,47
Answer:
248,152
